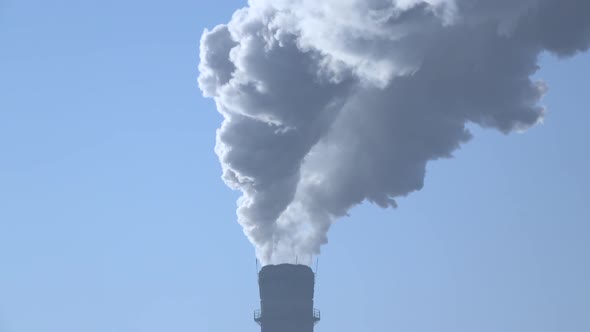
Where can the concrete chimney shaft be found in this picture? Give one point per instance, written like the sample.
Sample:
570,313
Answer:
286,299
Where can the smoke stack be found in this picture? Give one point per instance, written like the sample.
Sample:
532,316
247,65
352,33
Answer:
286,299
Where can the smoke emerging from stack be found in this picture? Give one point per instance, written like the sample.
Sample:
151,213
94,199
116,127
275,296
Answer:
327,104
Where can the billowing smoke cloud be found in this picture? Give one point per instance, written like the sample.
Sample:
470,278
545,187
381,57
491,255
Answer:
331,103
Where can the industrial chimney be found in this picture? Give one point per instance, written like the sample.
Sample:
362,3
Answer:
286,299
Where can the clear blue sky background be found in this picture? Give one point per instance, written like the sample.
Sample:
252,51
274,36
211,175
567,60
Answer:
113,216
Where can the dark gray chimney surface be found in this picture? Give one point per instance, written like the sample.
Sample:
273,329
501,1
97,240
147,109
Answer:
286,299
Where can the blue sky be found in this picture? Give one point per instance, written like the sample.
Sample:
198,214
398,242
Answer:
113,216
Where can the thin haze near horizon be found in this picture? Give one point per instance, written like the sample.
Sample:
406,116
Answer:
113,216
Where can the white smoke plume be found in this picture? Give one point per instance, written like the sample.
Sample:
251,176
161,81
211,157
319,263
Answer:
329,103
